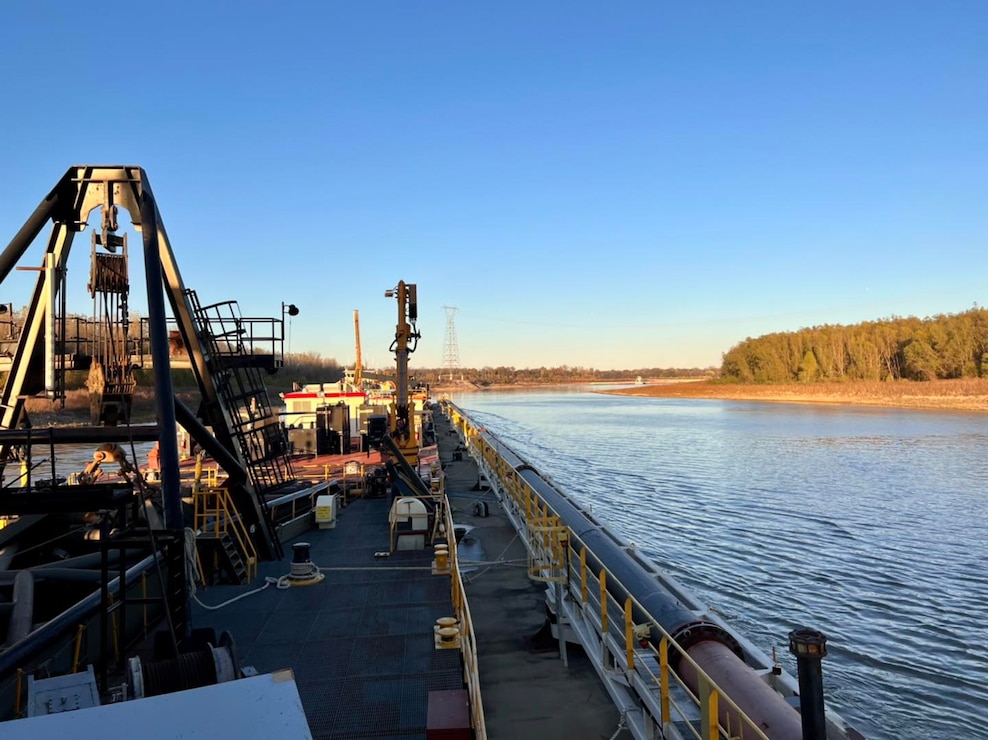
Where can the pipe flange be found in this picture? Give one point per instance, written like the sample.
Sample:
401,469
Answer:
692,633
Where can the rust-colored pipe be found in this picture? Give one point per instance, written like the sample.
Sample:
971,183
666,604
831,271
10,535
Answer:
759,701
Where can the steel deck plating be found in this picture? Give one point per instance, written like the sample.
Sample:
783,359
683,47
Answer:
361,642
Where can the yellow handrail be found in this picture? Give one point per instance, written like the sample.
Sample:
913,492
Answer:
216,513
240,533
468,640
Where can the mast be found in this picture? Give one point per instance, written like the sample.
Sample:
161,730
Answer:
357,380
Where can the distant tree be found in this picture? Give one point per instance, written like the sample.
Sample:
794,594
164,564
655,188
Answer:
921,361
809,369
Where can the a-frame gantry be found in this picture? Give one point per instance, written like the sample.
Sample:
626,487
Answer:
252,450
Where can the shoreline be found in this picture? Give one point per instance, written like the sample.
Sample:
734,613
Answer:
969,394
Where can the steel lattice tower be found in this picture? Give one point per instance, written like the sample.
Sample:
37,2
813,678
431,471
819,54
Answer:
451,350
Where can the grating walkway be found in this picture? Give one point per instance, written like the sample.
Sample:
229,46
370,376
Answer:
360,643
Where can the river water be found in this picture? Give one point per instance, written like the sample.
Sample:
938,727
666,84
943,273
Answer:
866,524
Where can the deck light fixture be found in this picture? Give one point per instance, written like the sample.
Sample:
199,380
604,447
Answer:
289,309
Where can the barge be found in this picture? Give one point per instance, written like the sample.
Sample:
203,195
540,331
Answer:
414,590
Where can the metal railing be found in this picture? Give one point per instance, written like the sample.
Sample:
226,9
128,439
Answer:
291,506
215,514
619,646
468,640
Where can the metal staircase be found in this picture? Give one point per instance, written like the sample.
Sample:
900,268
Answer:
237,361
233,559
222,531
237,370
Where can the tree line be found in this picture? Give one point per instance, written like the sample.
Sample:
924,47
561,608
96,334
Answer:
313,368
506,375
938,347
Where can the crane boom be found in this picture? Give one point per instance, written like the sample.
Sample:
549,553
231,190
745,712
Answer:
357,367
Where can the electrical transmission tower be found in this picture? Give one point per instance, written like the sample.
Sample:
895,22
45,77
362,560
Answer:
451,350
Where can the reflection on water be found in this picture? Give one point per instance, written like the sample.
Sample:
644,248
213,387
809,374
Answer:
866,524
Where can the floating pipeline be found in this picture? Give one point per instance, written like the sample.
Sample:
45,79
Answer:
709,644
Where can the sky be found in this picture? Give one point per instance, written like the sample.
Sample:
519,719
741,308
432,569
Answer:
617,186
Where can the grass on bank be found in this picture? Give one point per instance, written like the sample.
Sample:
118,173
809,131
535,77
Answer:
967,394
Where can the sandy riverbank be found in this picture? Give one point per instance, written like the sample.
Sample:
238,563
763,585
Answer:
953,395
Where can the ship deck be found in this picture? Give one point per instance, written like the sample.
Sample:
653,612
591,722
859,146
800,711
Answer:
361,642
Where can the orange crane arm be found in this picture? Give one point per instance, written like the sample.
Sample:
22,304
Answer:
356,330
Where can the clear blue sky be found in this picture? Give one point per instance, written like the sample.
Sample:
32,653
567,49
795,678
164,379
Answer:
612,185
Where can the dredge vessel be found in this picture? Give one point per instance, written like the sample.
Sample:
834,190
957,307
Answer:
144,604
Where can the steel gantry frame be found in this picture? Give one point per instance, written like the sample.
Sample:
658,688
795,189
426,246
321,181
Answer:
82,189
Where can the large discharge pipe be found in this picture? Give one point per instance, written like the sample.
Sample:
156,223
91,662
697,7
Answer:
713,648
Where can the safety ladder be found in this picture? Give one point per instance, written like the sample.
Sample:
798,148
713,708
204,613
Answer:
249,416
240,384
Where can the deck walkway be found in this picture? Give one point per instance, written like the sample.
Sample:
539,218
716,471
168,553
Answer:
527,691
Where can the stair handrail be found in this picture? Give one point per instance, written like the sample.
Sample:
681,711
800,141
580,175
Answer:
238,530
222,513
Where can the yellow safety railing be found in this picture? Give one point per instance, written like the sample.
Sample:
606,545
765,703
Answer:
468,640
720,717
547,549
216,514
354,479
201,474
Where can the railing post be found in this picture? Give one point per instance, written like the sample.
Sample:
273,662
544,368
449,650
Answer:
629,634
603,603
583,574
17,692
713,714
78,648
664,679
709,728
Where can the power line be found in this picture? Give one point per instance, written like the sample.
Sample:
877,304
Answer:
451,350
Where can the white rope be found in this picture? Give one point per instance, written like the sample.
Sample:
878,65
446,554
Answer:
284,581
374,568
516,561
191,575
622,724
474,576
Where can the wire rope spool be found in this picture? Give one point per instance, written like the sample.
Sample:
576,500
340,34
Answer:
187,671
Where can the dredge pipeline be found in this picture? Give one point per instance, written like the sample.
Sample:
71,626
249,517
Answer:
758,693
710,645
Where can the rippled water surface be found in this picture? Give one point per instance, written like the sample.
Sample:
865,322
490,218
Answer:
866,524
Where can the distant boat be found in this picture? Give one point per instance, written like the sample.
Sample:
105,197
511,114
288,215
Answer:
639,381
